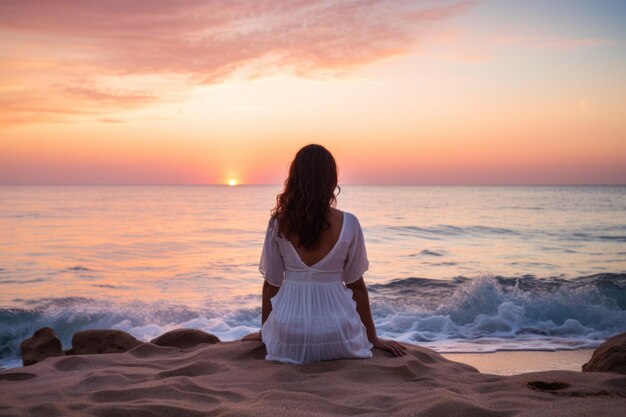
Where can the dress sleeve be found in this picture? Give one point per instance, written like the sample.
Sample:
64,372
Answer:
271,265
356,261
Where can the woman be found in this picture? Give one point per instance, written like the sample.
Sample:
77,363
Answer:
315,303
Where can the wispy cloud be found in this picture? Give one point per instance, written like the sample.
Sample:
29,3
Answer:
555,43
78,53
473,47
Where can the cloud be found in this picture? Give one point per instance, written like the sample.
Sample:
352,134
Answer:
547,42
110,97
486,48
85,46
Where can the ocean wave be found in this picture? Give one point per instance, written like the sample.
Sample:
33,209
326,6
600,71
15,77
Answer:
492,313
589,236
427,252
463,314
143,320
612,233
450,230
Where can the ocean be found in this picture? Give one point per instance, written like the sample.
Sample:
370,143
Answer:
452,268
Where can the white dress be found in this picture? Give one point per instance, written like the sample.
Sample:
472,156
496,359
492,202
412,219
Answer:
313,315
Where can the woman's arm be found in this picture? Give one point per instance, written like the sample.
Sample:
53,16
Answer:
361,297
269,291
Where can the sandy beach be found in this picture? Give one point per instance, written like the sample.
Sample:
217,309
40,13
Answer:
233,379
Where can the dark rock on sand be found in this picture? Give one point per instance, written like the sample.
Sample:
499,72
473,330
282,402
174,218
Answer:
44,344
547,386
185,338
88,342
610,356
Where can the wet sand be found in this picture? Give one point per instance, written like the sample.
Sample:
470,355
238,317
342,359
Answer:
518,362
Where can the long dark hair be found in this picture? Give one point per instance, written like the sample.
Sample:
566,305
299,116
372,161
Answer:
302,208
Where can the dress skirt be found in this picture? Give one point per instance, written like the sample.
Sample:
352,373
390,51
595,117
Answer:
314,321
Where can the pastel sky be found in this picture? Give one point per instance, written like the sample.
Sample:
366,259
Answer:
402,92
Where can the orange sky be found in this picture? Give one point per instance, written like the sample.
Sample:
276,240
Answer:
416,92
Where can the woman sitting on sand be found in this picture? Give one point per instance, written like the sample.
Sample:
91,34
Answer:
315,303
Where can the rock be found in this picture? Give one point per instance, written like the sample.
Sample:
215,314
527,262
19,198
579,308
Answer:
185,338
610,356
89,342
547,386
44,344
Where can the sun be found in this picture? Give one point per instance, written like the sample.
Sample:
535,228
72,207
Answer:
232,182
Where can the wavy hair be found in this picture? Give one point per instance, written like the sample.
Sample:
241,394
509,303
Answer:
302,208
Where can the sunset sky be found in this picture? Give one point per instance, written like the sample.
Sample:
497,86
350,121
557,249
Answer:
402,92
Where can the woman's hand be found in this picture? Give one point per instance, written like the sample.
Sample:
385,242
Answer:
252,337
396,348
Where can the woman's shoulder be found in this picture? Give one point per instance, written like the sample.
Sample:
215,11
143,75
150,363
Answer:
272,227
340,214
350,219
272,223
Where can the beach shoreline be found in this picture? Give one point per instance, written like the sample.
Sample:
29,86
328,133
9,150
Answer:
508,362
512,362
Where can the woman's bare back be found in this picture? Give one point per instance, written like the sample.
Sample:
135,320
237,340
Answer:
328,240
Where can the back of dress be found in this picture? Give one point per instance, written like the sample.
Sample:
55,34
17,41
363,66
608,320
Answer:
313,314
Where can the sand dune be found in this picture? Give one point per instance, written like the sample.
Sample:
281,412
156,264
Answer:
233,379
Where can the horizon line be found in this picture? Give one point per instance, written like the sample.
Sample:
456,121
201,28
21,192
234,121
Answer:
340,185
